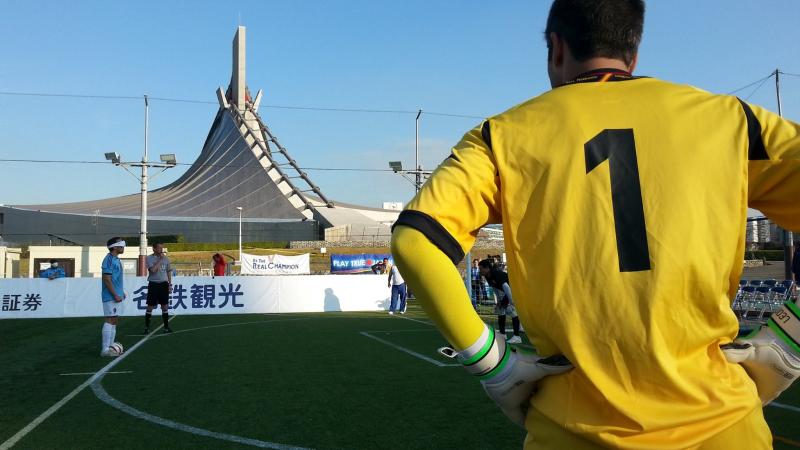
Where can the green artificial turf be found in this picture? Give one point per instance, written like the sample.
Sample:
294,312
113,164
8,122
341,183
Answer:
305,380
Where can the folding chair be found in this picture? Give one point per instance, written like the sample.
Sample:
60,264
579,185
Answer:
743,301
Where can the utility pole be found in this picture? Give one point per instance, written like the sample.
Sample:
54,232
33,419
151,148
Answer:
142,271
788,237
417,167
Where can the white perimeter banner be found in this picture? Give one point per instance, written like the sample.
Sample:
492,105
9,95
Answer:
275,264
80,297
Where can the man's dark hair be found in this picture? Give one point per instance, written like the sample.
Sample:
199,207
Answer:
53,261
597,28
113,240
486,264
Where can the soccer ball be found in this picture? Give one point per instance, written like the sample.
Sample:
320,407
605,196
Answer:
117,348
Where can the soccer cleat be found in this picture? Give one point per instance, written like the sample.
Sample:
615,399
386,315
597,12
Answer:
515,340
167,330
109,352
391,313
146,331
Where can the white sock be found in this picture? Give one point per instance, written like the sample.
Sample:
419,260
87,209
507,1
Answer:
113,334
108,336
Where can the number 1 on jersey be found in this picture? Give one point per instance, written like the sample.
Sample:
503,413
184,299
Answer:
619,148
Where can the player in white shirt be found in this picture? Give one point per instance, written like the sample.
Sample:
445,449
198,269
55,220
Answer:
399,291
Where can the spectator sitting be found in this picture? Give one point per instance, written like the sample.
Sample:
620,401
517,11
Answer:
381,267
53,272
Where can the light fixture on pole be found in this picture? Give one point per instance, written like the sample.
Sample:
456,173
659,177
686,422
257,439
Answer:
113,157
419,175
168,161
239,208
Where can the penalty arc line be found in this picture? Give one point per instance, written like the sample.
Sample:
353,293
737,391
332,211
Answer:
92,373
104,396
51,410
227,325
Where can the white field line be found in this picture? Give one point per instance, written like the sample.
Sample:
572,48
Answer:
782,406
92,373
416,330
417,320
431,324
103,395
51,410
405,350
227,325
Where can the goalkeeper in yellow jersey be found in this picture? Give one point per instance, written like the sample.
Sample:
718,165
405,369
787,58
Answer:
623,201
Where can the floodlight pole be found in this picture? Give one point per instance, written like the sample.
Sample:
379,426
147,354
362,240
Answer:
788,237
142,271
167,161
417,168
240,234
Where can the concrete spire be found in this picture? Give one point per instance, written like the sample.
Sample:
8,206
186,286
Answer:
238,83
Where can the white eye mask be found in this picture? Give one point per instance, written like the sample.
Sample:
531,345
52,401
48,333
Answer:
117,244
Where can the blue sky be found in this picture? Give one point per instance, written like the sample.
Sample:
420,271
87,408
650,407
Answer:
467,57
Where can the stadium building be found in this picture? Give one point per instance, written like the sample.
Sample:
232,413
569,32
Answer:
242,164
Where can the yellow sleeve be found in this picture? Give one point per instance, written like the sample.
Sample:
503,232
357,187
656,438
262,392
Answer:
440,225
774,166
437,286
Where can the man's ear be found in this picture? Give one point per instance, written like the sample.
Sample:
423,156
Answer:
634,60
557,52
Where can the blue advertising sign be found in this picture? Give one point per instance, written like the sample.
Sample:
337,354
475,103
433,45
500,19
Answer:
359,263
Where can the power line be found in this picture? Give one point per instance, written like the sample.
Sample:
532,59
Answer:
102,97
757,88
760,80
790,74
205,102
234,166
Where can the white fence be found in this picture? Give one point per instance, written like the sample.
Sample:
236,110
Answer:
80,297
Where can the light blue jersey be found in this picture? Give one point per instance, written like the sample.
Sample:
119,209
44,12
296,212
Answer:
112,266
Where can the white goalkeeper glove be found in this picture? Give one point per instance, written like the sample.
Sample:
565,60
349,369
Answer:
771,355
508,374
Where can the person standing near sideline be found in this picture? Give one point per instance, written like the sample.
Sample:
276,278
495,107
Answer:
498,280
112,293
399,292
159,286
219,265
478,289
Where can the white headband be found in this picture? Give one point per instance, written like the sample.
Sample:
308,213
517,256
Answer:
117,244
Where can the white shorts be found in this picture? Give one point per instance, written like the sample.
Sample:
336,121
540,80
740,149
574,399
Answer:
112,309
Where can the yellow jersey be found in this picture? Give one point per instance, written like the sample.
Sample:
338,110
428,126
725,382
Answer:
624,203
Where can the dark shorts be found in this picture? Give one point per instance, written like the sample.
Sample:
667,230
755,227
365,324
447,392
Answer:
157,293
